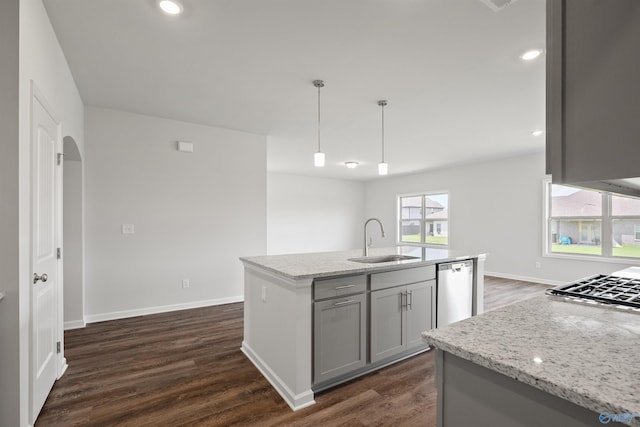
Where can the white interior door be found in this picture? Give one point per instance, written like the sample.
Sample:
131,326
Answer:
45,234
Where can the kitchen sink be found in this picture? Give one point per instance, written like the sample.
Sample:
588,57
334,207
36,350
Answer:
382,258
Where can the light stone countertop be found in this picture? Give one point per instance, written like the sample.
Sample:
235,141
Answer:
588,354
326,264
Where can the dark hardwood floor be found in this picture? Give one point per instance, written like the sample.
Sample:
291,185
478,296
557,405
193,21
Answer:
185,368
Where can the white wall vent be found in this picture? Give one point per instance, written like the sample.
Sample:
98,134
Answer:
497,5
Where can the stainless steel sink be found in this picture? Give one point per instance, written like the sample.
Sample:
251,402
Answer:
382,258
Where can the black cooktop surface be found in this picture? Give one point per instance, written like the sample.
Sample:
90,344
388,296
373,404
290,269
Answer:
603,288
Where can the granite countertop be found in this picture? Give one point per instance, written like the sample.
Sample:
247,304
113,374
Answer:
585,353
326,264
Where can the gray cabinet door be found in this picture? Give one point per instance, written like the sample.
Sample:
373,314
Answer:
339,336
593,95
388,323
420,312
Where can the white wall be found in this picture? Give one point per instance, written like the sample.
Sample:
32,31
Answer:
495,208
310,214
73,244
194,214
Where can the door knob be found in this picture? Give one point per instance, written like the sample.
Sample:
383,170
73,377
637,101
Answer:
44,278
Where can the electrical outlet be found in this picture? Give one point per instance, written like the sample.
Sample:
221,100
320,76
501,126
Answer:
128,229
264,293
538,264
185,283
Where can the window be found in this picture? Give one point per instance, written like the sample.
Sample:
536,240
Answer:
587,222
424,219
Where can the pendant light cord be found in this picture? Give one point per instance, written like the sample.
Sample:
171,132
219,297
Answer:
382,103
382,133
319,86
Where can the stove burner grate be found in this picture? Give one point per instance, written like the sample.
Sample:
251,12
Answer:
603,288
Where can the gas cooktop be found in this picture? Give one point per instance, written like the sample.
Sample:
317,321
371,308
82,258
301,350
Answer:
603,288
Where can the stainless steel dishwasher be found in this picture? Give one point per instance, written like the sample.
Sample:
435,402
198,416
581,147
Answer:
454,292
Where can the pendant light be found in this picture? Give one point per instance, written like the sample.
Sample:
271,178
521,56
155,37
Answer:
318,157
383,168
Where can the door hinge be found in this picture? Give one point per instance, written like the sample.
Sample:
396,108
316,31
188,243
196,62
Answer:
59,253
60,156
58,347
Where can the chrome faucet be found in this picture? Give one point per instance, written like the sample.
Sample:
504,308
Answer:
368,242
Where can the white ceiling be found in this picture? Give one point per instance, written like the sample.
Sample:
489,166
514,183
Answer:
450,70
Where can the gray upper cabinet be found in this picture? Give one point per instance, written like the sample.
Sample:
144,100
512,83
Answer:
593,93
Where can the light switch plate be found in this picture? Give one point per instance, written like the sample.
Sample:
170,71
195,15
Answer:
128,229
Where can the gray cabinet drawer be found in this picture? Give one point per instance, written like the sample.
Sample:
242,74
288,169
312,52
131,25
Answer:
402,277
339,286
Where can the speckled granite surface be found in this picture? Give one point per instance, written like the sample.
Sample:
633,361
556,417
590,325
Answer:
587,354
324,264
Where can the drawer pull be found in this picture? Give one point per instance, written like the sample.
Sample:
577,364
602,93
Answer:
344,287
344,302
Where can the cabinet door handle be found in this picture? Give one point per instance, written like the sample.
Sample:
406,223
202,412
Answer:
344,287
410,299
403,300
349,301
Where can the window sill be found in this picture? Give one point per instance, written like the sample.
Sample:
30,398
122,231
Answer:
591,258
423,245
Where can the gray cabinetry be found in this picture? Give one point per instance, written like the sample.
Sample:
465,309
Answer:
399,314
388,323
593,92
420,311
339,327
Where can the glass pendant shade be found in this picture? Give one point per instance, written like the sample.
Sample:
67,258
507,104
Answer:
383,168
318,159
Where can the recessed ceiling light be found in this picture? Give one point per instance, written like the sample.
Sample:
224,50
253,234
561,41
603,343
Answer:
172,7
537,132
351,165
531,54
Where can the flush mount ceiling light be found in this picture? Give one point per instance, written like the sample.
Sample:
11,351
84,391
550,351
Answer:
170,7
537,132
318,157
351,165
531,54
383,168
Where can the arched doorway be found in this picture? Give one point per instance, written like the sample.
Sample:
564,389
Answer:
73,235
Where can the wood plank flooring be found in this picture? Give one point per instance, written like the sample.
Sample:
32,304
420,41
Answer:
185,368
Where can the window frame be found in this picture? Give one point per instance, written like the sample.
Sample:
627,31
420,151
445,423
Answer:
422,220
606,229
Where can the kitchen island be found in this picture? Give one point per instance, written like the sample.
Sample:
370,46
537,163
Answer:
286,297
543,361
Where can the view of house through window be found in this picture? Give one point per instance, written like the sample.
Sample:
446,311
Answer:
587,222
424,218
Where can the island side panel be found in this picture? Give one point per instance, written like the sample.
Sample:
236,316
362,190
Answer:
469,394
477,306
278,333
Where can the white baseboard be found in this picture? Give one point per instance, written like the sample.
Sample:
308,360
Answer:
74,324
295,401
525,278
92,318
